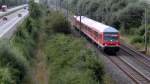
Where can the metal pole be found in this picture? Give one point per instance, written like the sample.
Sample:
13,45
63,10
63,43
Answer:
145,30
80,19
60,4
67,10
56,5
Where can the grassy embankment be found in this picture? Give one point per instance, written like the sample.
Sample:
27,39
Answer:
44,51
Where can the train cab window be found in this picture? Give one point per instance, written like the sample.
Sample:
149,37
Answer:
111,36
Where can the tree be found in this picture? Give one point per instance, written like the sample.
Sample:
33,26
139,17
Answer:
35,10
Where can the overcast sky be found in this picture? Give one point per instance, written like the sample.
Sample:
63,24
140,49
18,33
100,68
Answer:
36,1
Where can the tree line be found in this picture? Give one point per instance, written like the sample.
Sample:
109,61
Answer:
128,16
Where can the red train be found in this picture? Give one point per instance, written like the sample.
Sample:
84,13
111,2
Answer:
108,38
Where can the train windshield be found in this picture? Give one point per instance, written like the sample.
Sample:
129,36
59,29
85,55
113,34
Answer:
111,37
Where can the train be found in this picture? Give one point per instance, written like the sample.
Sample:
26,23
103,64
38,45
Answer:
106,37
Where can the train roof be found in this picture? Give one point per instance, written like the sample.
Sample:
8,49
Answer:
100,27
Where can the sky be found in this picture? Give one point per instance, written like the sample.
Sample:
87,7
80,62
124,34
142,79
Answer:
37,1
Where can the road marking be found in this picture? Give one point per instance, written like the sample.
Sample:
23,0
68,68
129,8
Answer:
10,25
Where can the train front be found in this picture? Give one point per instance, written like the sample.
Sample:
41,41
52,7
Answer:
111,40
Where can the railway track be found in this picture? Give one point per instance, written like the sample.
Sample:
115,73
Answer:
129,70
138,56
136,75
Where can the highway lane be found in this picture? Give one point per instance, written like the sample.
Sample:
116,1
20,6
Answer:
11,16
8,28
12,9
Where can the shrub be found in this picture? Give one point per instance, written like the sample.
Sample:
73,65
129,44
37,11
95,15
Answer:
35,10
71,63
57,23
141,30
26,38
6,76
13,65
137,39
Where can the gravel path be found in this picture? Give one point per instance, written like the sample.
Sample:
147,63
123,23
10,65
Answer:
40,69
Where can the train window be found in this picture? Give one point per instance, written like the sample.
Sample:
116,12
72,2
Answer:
111,36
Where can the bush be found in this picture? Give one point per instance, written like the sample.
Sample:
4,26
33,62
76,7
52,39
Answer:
6,76
26,38
71,63
28,33
137,39
13,66
35,10
57,23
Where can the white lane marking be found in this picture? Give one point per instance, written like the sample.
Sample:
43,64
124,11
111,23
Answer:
12,9
14,21
2,22
7,24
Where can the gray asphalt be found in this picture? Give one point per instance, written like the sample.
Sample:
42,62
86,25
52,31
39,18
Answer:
12,9
7,28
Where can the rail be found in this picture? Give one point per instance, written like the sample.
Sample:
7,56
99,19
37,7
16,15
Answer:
129,70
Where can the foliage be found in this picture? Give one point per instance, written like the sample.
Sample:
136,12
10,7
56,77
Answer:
6,76
68,60
137,39
25,37
118,13
57,23
16,56
126,15
71,63
35,10
28,34
13,65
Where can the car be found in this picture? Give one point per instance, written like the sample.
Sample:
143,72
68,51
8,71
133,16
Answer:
106,37
5,18
19,15
25,8
4,8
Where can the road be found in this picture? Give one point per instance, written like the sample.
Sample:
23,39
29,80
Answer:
9,17
12,9
7,28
